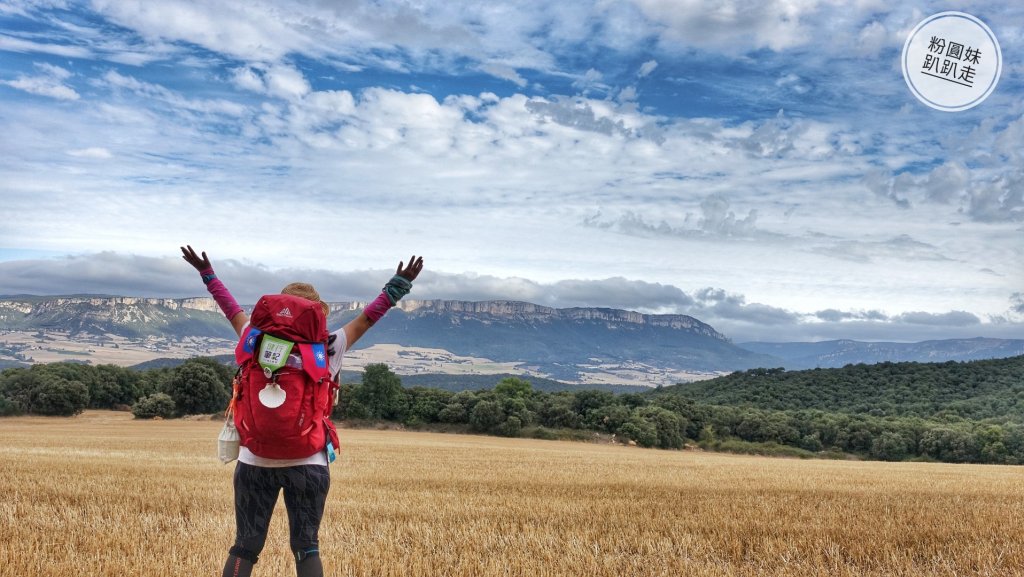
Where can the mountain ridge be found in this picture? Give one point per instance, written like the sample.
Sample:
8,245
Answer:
557,343
577,344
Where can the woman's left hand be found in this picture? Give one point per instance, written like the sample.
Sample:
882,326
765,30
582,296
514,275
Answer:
190,256
412,271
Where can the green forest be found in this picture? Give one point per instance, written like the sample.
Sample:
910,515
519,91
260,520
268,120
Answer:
971,412
976,390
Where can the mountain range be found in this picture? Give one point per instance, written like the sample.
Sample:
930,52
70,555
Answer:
561,342
564,344
839,353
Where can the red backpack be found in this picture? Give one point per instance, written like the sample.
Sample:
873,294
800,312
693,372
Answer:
283,390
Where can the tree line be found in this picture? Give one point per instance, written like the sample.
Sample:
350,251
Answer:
659,418
198,386
663,418
974,390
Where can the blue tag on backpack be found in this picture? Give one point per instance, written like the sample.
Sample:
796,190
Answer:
331,456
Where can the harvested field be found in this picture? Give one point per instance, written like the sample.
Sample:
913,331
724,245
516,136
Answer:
102,494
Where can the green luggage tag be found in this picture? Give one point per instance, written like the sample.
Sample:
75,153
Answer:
273,353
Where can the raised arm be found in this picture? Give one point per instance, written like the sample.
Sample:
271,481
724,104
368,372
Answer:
228,306
397,287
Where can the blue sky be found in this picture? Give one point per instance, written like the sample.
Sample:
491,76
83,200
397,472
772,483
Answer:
759,165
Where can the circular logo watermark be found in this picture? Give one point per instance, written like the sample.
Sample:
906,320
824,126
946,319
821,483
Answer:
952,61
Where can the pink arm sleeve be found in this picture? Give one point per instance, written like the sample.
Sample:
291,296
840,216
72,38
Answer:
222,295
375,310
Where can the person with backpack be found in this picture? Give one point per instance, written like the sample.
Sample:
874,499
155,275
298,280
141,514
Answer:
289,367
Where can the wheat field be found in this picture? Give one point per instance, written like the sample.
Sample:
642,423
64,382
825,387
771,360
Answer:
103,495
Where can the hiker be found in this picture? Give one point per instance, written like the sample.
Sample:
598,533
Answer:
305,480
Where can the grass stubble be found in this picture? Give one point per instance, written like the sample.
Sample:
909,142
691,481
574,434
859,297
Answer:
103,495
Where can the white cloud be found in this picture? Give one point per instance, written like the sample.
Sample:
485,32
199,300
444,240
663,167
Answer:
49,83
833,315
885,186
1017,305
952,318
286,82
872,38
12,44
793,82
716,220
331,104
92,152
52,71
156,92
590,80
134,58
719,220
947,182
990,190
248,30
999,199
717,303
43,86
354,35
505,73
646,68
248,79
733,26
899,248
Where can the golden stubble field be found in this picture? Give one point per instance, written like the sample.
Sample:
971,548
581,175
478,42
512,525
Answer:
104,495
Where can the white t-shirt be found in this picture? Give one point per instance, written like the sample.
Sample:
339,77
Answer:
335,353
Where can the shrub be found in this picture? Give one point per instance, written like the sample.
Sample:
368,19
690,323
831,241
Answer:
60,397
889,447
8,407
197,389
155,405
540,433
639,430
511,427
486,416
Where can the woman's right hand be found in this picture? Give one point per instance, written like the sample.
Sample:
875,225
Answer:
190,256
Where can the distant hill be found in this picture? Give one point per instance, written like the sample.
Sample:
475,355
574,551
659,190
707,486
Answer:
170,363
838,353
989,389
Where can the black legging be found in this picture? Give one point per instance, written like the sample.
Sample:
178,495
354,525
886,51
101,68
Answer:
256,491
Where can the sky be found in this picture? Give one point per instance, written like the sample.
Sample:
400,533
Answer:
761,166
